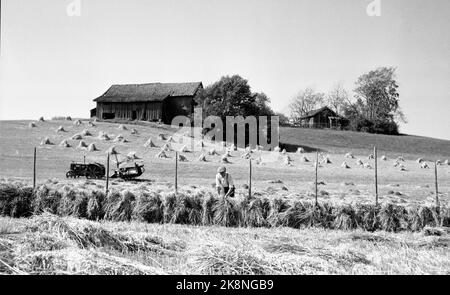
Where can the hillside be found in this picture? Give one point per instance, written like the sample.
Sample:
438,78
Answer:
273,173
333,141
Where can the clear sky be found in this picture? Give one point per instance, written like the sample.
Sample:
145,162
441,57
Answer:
54,64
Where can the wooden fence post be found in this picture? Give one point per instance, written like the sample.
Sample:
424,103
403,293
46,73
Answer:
250,179
34,169
317,165
107,175
376,175
176,172
436,184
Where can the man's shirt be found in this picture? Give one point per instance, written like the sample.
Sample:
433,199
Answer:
226,181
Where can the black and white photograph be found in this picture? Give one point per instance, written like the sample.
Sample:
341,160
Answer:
224,139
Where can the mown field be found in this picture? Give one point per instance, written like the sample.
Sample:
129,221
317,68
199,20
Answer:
17,141
48,244
69,226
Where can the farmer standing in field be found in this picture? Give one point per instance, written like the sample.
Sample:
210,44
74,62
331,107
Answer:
224,182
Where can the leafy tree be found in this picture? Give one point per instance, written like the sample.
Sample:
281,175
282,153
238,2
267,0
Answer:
377,96
337,98
232,96
283,119
304,102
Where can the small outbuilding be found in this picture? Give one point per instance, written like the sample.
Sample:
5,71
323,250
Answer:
321,118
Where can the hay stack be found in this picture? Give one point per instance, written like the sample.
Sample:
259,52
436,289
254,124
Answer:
41,119
132,156
277,149
349,156
402,168
122,127
446,162
419,161
367,165
60,129
304,159
202,158
82,145
326,160
396,163
103,136
149,143
438,162
246,156
224,160
284,152
201,144
95,120
77,137
383,158
92,148
300,150
345,166
401,159
371,157
161,136
86,133
228,153
46,141
134,131
112,151
170,139
167,147
182,158
120,138
64,144
287,161
32,125
184,149
233,147
162,155
91,124
424,165
68,118
359,162
77,123
213,152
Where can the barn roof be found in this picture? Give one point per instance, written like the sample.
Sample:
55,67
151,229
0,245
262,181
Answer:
315,112
148,92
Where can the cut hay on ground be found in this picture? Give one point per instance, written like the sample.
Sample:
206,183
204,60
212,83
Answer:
60,129
77,137
202,158
149,143
82,145
46,141
64,144
162,154
112,151
92,148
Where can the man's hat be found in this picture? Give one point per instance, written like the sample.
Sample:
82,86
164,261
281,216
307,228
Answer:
221,169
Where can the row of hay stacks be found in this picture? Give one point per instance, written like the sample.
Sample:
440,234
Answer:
202,207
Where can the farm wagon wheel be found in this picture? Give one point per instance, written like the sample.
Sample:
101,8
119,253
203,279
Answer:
70,174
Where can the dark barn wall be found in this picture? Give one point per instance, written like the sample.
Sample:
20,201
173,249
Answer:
145,111
177,106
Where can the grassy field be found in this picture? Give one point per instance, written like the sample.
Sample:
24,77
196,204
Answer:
17,140
48,244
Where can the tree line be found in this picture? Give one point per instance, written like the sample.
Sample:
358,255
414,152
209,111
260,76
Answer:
372,107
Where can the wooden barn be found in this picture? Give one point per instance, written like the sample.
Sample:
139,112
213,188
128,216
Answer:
147,102
321,118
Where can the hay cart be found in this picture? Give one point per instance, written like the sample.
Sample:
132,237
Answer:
129,173
90,171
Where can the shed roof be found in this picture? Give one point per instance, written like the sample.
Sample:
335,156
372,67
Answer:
315,112
148,92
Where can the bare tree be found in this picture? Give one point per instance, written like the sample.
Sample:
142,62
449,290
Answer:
304,102
337,98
